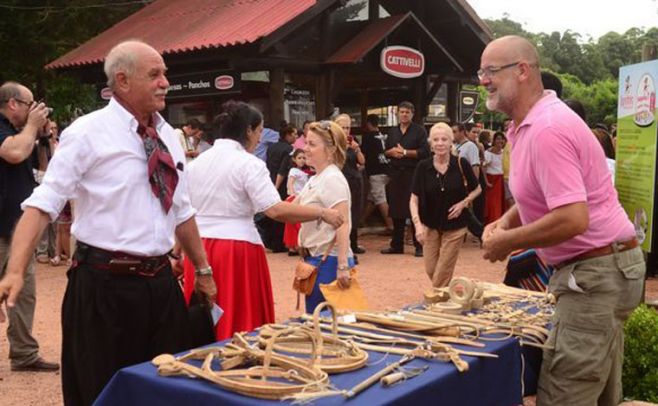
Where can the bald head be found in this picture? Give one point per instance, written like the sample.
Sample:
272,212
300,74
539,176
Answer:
12,90
514,49
124,58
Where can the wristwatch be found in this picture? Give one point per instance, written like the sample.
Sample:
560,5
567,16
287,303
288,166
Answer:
205,271
343,268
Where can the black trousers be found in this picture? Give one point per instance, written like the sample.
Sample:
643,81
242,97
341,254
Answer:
113,321
397,241
356,190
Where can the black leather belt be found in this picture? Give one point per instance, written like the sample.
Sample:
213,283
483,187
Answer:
120,263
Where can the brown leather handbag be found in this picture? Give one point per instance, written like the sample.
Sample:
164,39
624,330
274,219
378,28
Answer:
306,275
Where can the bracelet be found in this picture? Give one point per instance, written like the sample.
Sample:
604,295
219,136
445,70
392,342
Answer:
414,219
206,271
404,152
171,254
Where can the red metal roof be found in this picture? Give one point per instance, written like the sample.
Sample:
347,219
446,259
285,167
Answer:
374,33
173,26
366,40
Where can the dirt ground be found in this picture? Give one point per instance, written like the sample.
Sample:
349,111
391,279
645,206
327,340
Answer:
389,282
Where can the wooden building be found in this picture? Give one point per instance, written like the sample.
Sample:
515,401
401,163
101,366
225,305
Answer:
299,59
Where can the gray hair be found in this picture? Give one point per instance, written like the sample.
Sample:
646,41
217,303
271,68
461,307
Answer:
121,58
9,90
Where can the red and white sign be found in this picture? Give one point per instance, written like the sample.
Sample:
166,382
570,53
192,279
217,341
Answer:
402,62
224,82
106,93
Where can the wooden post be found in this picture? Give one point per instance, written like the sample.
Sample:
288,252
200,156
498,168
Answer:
364,109
453,96
649,52
420,90
373,10
321,97
277,84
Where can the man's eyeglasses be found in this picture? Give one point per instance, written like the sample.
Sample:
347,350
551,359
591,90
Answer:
492,70
27,103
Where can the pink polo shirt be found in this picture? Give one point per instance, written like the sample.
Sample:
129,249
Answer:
555,161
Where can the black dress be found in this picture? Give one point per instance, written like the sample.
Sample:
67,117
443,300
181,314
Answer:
437,193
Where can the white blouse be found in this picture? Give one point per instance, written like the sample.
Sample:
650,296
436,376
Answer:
101,164
494,163
326,190
299,179
227,187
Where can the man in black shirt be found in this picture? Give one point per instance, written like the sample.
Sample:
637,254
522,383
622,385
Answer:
19,111
374,148
278,157
405,146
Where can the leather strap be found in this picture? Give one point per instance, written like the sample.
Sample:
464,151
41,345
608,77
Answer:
600,252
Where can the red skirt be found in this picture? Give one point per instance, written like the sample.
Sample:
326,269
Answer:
494,198
244,289
291,231
290,235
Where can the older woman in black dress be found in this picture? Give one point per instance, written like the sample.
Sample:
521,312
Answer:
443,187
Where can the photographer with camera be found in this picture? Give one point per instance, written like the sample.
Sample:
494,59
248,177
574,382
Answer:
21,119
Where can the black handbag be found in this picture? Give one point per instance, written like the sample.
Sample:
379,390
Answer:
201,329
473,225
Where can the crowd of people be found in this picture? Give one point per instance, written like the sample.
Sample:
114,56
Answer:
204,202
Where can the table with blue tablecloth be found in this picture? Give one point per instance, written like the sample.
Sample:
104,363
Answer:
488,381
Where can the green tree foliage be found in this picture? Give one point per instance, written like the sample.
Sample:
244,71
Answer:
505,26
599,98
35,33
588,69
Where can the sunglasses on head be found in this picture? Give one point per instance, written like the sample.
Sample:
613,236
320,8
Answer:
325,125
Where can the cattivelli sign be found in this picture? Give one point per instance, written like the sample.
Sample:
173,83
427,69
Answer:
402,62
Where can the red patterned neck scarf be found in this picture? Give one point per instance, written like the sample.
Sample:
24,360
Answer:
162,173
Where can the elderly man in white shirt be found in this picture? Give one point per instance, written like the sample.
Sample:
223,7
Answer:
124,167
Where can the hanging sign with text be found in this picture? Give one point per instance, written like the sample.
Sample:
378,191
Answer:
402,62
468,103
635,173
195,84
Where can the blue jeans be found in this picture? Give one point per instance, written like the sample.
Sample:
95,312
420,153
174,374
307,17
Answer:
326,274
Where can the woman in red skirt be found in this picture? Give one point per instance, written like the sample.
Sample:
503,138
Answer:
228,185
495,196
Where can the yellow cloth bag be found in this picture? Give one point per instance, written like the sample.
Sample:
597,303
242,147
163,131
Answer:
351,298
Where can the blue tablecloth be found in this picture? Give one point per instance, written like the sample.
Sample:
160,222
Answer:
495,382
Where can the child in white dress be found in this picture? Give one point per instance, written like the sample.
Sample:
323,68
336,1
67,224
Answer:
297,178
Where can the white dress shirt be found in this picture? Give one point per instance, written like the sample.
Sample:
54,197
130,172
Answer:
228,186
101,165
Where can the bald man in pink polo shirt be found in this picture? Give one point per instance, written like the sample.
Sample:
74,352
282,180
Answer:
566,207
